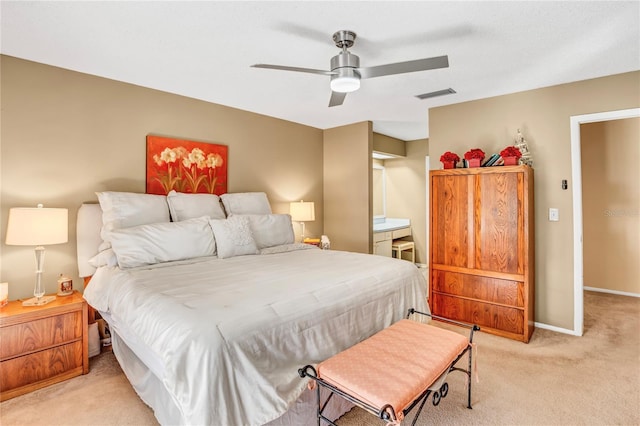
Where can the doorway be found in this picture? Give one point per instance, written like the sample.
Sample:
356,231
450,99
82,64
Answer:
576,176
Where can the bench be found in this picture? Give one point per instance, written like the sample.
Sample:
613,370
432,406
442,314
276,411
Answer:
394,370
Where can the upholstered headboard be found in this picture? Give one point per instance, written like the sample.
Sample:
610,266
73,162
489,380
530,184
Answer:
88,237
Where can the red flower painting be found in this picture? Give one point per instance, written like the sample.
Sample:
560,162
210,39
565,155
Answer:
185,166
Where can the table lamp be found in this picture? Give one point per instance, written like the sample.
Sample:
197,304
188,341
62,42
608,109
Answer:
37,227
302,212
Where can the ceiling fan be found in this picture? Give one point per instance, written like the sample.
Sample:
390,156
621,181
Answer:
346,71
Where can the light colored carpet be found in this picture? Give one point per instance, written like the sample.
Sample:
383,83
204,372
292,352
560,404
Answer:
556,379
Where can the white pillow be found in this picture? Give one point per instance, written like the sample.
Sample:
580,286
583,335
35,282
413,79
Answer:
233,236
190,206
127,209
104,258
246,203
270,230
162,242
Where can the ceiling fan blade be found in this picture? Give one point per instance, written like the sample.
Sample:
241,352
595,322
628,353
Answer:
404,67
297,69
337,98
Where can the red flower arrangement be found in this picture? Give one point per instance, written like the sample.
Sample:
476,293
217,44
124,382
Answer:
511,151
510,154
449,156
475,153
449,160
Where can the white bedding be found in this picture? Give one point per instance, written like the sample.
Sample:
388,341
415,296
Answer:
231,334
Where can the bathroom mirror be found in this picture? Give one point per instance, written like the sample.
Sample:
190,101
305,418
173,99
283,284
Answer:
379,192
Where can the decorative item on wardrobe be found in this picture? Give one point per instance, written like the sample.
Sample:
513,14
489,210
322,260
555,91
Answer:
510,154
522,145
449,160
474,157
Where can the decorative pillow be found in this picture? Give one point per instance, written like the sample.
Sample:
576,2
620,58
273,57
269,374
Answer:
270,230
233,236
246,203
190,206
127,209
163,242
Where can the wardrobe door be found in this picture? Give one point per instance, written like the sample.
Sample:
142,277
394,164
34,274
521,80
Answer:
451,220
499,245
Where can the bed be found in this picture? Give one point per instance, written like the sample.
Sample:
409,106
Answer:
213,307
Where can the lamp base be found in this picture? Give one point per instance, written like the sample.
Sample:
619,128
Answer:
34,301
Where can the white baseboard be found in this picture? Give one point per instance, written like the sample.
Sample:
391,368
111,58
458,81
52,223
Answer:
606,290
573,332
556,329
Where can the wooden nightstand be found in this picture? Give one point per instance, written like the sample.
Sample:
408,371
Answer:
42,345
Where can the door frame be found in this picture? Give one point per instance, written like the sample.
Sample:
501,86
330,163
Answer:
427,224
576,176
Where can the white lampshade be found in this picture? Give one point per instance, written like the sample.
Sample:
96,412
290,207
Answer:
303,211
37,226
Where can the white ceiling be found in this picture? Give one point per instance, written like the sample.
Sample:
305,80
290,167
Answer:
204,50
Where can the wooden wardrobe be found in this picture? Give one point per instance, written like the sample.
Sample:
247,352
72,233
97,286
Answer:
482,248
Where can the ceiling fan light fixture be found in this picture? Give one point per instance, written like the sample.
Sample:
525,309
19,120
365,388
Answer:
345,83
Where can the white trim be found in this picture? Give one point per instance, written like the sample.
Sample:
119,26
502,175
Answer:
606,290
427,254
556,329
576,175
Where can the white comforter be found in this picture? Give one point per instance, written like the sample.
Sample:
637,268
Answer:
232,333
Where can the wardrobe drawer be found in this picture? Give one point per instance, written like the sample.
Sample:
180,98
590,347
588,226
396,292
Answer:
497,317
492,290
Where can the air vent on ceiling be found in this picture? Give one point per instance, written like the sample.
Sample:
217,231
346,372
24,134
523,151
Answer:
448,91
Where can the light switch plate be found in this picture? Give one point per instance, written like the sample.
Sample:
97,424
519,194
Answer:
554,215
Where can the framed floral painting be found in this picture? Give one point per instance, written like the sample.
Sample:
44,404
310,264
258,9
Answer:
186,166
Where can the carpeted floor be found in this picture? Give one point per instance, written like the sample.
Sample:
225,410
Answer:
556,379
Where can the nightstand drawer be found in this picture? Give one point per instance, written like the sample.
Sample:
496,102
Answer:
54,365
40,334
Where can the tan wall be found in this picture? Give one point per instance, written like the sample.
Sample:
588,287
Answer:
348,212
66,135
611,204
543,115
406,196
389,145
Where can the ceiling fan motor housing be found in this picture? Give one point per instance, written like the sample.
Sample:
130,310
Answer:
346,79
344,60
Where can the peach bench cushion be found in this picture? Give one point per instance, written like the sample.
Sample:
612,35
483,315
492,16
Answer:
395,365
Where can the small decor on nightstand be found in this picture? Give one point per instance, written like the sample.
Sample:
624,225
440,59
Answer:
65,286
474,157
325,244
510,154
312,241
449,160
